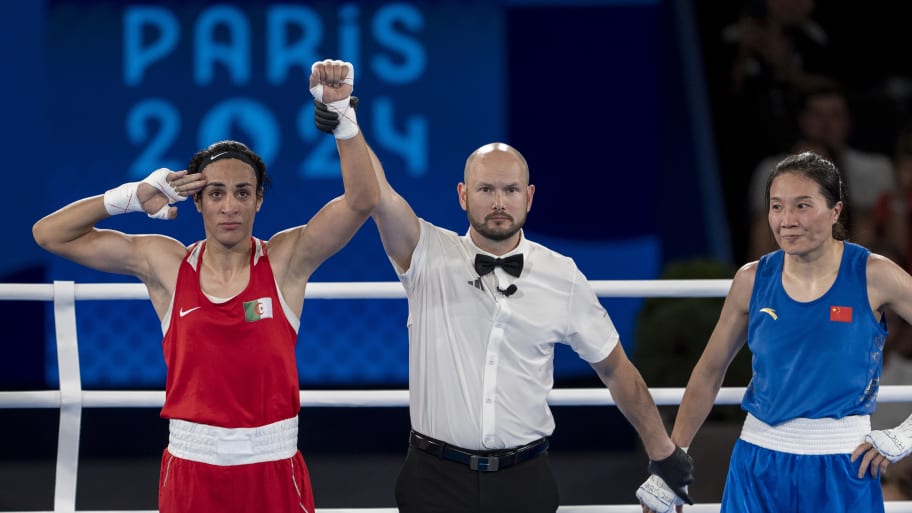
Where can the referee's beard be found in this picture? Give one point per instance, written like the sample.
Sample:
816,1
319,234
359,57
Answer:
489,229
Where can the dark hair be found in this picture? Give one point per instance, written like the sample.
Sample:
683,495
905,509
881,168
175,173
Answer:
241,151
822,171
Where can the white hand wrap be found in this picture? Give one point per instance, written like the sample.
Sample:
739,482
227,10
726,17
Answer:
895,444
657,496
123,199
348,122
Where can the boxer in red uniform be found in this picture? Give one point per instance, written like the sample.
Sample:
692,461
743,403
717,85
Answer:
230,307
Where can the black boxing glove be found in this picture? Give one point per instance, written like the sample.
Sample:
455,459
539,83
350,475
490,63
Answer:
327,120
677,472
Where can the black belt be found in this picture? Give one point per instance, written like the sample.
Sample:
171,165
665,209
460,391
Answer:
482,461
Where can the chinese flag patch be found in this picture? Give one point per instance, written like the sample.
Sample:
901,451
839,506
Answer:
841,313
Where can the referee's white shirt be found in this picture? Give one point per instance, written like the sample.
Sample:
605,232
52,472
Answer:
480,362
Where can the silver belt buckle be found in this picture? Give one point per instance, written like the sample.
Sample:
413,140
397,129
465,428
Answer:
484,464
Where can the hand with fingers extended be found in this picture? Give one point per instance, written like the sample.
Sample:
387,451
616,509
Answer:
155,194
331,84
882,447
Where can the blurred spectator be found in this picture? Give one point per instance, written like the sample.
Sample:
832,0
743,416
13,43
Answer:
762,58
824,127
778,53
893,211
892,215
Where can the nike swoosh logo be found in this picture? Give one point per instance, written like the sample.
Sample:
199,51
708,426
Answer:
185,312
217,156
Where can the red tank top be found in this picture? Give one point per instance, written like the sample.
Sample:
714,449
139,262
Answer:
230,364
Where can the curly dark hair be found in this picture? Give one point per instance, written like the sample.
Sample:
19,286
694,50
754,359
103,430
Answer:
203,157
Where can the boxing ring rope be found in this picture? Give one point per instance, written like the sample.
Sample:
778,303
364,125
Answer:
70,398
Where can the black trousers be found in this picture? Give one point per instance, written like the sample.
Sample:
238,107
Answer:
428,484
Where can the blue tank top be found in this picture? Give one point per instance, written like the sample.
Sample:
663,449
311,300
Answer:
817,359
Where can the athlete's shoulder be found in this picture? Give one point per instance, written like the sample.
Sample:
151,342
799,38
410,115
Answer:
742,286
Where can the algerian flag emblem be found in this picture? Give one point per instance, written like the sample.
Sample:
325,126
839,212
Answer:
258,309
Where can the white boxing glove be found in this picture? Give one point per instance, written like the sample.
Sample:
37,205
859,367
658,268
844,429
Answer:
657,496
123,199
895,444
348,122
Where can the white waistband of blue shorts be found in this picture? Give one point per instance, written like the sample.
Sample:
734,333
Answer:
808,436
233,446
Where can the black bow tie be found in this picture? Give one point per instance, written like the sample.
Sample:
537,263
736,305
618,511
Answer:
511,265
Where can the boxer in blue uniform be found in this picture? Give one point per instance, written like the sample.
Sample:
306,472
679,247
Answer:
812,314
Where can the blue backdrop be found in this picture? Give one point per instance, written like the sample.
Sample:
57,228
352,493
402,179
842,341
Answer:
109,91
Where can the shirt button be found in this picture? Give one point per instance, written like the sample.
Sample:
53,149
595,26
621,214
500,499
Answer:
489,400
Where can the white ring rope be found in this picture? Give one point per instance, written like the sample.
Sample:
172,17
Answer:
387,398
891,507
70,399
374,290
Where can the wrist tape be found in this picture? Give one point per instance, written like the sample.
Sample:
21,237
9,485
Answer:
895,444
123,199
348,122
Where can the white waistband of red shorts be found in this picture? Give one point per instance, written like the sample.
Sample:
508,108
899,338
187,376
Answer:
808,436
233,446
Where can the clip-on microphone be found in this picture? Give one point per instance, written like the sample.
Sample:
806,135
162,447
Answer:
509,291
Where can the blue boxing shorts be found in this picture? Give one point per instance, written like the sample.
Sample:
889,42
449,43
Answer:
762,480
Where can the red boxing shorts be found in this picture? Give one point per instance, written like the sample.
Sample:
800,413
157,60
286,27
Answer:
281,486
210,469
